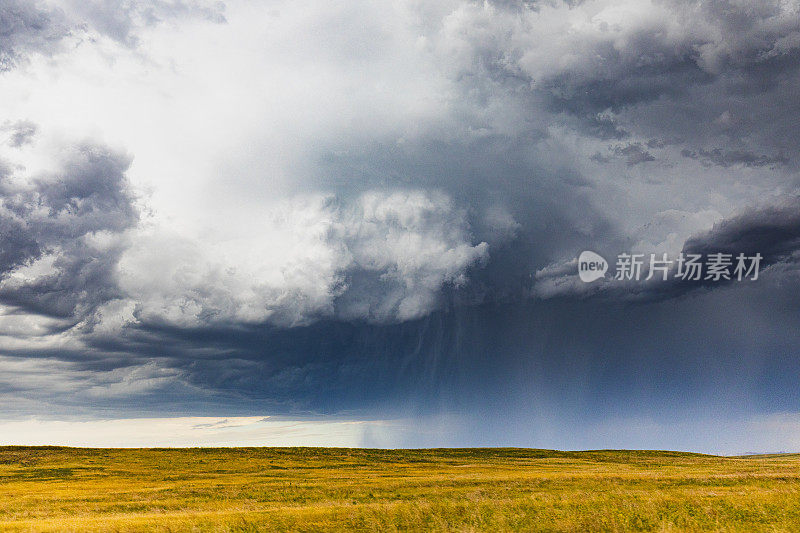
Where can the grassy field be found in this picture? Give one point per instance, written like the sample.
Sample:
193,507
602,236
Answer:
312,489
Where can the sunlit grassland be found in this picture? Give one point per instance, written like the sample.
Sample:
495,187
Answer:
312,489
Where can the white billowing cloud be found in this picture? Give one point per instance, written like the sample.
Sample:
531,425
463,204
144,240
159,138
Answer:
380,257
610,40
287,272
414,242
226,123
230,116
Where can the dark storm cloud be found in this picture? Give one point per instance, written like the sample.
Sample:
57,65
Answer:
579,359
627,84
721,73
73,216
772,231
513,174
687,75
501,163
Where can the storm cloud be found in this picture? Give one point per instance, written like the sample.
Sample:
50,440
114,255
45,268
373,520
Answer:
236,209
61,233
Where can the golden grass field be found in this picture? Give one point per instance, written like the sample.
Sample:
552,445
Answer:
339,489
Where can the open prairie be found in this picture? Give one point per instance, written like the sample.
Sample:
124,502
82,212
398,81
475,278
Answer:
313,489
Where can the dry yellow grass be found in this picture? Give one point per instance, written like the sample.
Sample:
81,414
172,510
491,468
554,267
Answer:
313,489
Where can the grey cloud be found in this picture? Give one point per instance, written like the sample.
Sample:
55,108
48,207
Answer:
30,27
62,233
702,42
719,73
56,385
497,166
603,126
121,20
26,28
728,158
41,27
90,193
657,143
773,231
21,133
634,153
547,199
664,76
381,257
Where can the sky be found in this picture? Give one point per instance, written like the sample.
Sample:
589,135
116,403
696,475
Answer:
357,223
